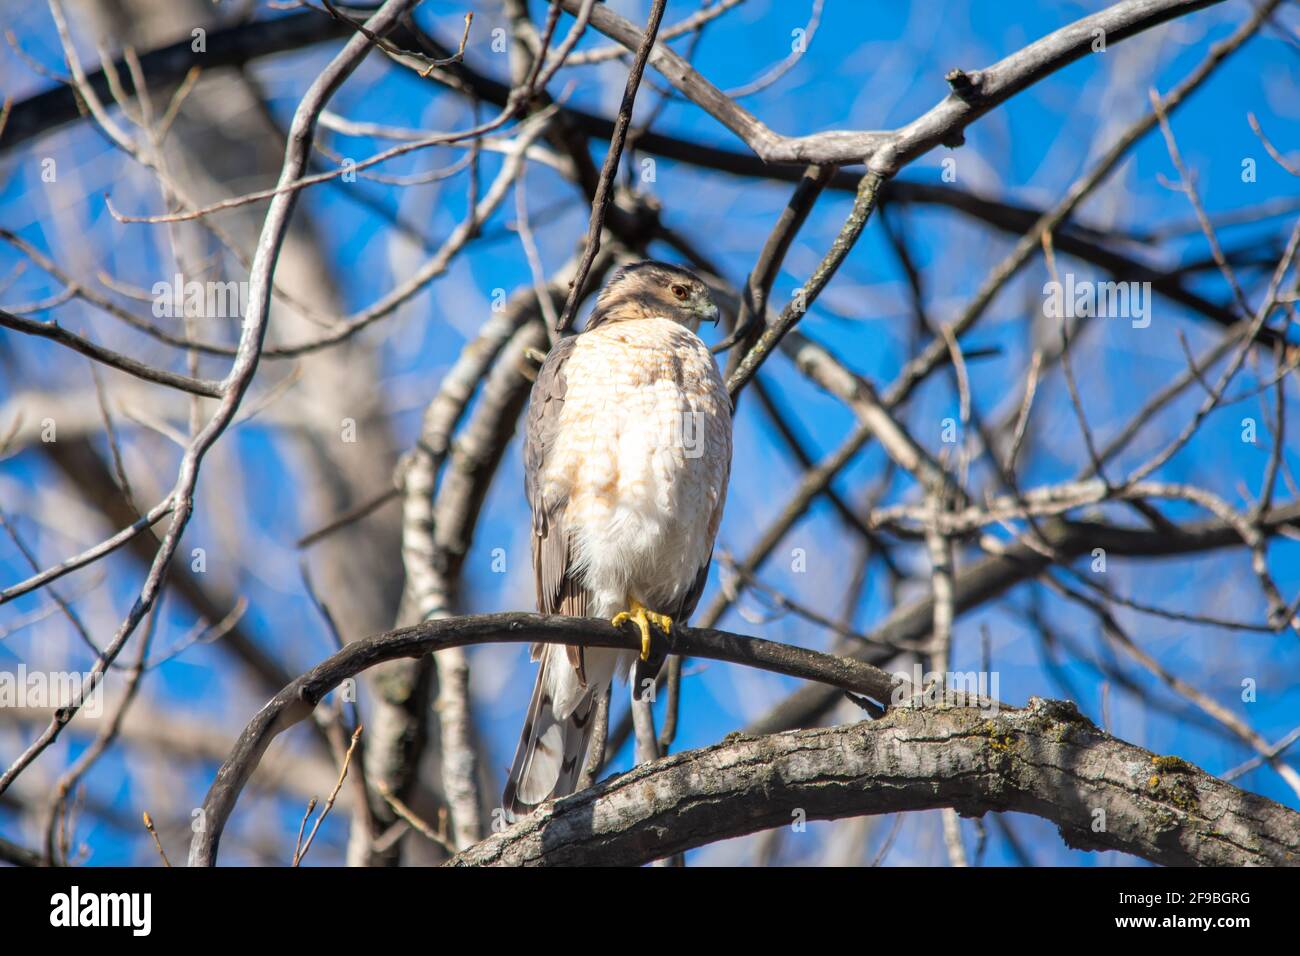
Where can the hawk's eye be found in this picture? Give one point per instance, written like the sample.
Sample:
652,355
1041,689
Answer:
679,291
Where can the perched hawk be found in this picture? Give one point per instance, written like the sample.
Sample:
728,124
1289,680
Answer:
626,459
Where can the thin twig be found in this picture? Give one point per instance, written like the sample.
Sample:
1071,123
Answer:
329,803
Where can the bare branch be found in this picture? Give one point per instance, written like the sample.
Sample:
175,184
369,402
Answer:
1046,760
298,699
975,92
123,363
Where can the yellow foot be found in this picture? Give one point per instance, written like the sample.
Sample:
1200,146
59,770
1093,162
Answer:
644,617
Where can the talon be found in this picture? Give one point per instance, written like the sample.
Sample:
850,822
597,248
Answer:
644,617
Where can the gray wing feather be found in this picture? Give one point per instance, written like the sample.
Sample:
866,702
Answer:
550,544
557,591
551,749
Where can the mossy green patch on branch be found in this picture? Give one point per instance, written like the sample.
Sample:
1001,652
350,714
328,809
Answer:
1171,764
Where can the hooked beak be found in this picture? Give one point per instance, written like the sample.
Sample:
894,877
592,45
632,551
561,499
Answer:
711,314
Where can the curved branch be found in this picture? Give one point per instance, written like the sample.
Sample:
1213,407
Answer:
885,152
297,700
1047,760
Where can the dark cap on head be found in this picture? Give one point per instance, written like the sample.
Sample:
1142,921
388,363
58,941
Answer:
650,289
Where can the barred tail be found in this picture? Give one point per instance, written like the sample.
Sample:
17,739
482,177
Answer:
553,745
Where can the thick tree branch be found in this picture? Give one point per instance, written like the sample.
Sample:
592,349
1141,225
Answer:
1047,760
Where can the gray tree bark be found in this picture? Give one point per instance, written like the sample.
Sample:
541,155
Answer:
1045,759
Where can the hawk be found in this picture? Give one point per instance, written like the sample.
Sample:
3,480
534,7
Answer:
626,458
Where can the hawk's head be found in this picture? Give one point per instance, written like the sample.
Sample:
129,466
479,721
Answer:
645,290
